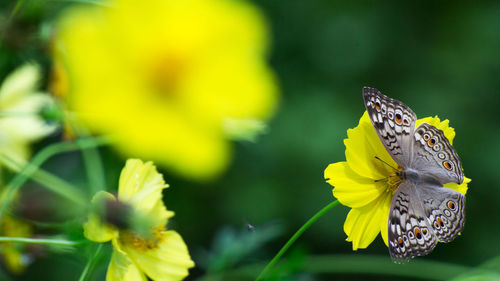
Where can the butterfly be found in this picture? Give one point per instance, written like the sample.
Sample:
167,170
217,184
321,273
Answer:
423,211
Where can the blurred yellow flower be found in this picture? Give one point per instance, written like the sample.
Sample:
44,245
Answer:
21,107
15,255
151,251
163,77
357,181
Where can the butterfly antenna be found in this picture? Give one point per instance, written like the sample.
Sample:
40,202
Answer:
376,157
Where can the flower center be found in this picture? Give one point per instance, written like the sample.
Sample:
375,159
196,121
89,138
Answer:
393,178
166,75
393,182
141,243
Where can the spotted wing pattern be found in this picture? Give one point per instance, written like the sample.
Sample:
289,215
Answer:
409,232
394,123
423,211
434,155
445,211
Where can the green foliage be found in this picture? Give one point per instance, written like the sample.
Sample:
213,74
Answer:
441,58
230,247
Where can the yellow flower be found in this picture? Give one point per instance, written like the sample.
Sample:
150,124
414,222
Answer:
163,77
156,253
14,254
21,106
355,182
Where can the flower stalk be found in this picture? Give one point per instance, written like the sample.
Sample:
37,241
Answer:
50,181
87,271
292,240
57,242
53,183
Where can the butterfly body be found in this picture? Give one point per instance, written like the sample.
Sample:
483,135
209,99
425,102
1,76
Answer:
423,211
416,177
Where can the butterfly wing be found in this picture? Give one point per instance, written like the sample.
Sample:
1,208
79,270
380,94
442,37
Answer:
420,216
434,155
445,210
394,123
409,231
422,210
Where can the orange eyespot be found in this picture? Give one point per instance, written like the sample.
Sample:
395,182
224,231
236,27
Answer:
447,165
373,105
398,118
436,224
417,232
400,241
440,221
377,106
426,137
451,205
431,142
424,231
406,122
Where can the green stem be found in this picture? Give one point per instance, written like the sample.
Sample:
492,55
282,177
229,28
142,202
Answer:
90,264
8,22
59,186
91,158
60,242
94,170
16,9
52,182
295,237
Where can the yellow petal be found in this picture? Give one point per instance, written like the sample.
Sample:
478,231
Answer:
96,230
170,261
141,185
29,126
351,189
175,76
362,225
384,222
21,105
462,188
362,146
15,149
23,81
13,259
133,274
138,177
121,268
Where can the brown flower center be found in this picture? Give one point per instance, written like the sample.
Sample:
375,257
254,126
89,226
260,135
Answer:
141,243
393,182
166,74
393,179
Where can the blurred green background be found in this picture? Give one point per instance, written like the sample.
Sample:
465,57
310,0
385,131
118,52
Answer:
440,58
